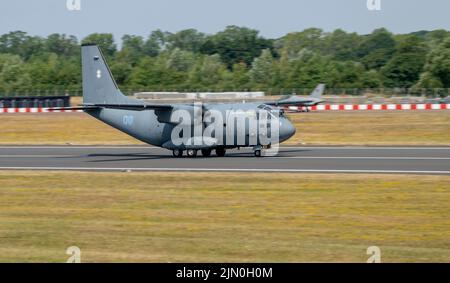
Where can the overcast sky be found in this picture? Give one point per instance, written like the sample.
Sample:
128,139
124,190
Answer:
272,18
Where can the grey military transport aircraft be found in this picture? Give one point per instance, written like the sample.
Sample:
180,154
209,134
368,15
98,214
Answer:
182,127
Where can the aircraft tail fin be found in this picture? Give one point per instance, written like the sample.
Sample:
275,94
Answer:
318,91
99,85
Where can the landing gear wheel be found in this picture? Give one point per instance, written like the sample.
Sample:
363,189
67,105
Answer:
191,153
220,151
177,153
206,152
258,153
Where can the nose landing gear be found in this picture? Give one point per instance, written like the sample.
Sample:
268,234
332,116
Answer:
257,150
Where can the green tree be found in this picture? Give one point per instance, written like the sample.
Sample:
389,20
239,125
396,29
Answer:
104,40
208,74
371,79
344,74
235,58
309,39
12,73
262,71
43,70
157,73
341,45
19,43
156,42
68,73
235,45
133,48
437,67
377,49
188,40
306,70
405,67
150,72
121,71
62,45
240,77
180,60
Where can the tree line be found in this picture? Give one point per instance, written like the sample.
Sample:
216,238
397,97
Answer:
237,58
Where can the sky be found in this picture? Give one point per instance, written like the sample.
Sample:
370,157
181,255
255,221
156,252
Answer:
272,18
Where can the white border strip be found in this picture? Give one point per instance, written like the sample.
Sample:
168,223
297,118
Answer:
226,170
370,107
35,110
160,148
351,157
322,107
270,157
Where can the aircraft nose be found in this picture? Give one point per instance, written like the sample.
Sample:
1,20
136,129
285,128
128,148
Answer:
287,130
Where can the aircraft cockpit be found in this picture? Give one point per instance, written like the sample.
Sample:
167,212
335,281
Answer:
274,112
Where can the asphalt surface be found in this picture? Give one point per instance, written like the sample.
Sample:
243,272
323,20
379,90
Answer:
409,160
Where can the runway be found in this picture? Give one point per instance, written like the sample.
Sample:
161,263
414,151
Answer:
405,160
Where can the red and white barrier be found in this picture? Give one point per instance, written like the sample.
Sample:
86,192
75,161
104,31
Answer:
35,110
368,107
322,107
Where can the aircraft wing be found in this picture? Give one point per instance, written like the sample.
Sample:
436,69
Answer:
132,107
135,107
80,107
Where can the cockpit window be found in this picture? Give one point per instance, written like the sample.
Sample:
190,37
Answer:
265,107
274,112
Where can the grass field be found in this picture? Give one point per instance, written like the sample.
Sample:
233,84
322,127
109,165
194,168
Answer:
215,217
337,128
373,128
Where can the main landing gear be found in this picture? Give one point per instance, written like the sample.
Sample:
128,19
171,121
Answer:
220,151
206,152
193,152
177,153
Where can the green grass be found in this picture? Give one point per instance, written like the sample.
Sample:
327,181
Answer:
337,128
430,128
216,217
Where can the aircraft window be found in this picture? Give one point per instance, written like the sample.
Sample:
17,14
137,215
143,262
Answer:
277,113
272,112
